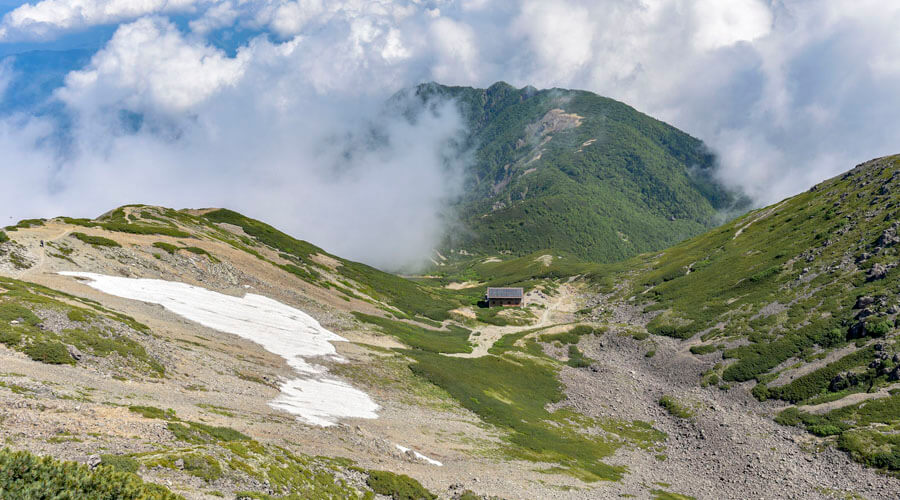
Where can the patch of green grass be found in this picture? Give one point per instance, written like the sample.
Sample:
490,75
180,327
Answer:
79,315
397,486
3,237
26,224
205,467
455,339
15,388
864,430
166,247
514,394
120,462
153,412
145,229
50,351
675,408
97,241
577,359
195,432
668,495
703,349
571,336
219,410
30,476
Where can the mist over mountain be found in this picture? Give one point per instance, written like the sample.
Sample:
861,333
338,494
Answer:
783,94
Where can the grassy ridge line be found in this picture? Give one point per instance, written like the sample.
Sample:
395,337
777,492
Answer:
403,294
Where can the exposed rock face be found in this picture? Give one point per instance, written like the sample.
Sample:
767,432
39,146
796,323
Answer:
878,271
888,237
863,301
74,352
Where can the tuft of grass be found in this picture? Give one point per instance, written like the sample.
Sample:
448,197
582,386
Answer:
577,359
166,247
153,412
97,241
675,408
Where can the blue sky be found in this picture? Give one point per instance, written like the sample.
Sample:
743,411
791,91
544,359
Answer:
249,104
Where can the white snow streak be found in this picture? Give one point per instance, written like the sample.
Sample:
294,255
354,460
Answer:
292,334
404,449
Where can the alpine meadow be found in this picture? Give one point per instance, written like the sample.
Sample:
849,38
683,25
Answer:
463,250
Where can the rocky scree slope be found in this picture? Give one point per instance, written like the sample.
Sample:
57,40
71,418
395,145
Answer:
797,302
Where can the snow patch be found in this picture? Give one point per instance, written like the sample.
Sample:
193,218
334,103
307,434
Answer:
418,455
283,330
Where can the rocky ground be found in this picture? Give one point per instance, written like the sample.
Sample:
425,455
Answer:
730,448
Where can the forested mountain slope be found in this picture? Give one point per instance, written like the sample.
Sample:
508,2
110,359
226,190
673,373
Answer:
576,172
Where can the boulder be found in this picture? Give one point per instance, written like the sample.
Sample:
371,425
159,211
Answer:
74,352
878,271
864,301
865,313
93,461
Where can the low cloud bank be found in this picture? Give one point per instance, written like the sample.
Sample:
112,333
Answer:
276,107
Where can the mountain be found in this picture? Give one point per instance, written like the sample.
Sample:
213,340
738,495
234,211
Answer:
797,302
218,356
576,172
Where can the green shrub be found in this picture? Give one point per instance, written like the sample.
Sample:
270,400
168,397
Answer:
577,359
153,412
97,241
397,486
120,462
875,328
202,466
3,237
167,247
675,408
145,229
703,349
195,432
27,476
50,352
77,315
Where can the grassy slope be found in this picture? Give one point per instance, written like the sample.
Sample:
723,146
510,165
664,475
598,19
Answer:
642,185
779,288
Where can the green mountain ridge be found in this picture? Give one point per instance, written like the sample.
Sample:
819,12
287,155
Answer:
801,301
576,172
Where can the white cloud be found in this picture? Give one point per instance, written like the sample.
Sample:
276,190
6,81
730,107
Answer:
787,93
50,17
720,24
455,51
149,64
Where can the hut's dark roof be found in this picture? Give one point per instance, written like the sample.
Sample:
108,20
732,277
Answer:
504,293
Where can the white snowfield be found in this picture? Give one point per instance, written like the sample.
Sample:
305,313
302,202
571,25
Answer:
292,334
